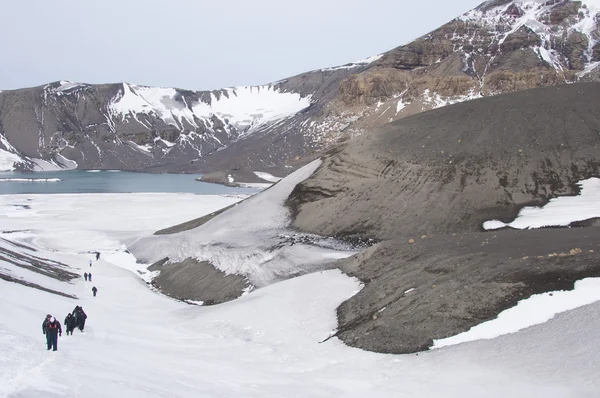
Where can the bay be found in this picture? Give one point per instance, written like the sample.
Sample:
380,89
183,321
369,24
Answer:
95,181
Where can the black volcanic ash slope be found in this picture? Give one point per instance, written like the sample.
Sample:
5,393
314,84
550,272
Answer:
434,178
450,169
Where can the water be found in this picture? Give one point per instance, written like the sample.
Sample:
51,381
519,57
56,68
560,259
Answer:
79,181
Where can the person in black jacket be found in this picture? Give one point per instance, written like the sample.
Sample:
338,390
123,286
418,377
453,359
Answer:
44,324
80,317
70,323
51,328
94,290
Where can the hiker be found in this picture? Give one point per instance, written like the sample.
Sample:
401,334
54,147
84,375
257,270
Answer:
90,263
85,276
44,324
70,323
97,256
80,317
90,277
51,328
94,290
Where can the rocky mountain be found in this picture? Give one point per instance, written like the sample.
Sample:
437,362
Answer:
501,46
422,188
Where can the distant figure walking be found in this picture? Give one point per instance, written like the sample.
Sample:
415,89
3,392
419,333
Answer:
94,290
44,327
90,277
51,328
90,263
70,323
85,276
80,317
97,256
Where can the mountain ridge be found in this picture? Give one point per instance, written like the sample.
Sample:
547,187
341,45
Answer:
500,46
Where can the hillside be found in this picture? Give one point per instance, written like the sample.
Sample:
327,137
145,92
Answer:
424,185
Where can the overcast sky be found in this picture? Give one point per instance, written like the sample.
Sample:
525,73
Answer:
202,44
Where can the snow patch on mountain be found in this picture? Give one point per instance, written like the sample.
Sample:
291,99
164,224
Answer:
244,108
66,85
503,20
267,176
360,62
558,211
7,160
8,157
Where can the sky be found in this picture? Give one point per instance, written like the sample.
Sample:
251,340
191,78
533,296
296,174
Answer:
201,45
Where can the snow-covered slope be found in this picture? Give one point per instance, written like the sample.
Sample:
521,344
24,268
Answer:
241,108
251,239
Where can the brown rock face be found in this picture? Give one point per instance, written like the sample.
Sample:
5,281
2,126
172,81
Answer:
485,52
422,52
508,81
563,11
575,48
596,53
522,38
366,88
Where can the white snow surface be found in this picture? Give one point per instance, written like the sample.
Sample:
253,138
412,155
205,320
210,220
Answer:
30,180
560,211
246,239
7,160
357,63
242,107
267,176
66,85
266,344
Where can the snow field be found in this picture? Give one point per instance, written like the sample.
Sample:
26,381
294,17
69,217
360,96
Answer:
242,107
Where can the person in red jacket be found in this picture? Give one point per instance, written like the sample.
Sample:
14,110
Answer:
51,328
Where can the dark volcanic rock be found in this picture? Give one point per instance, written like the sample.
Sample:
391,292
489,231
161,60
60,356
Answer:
448,170
458,281
198,281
